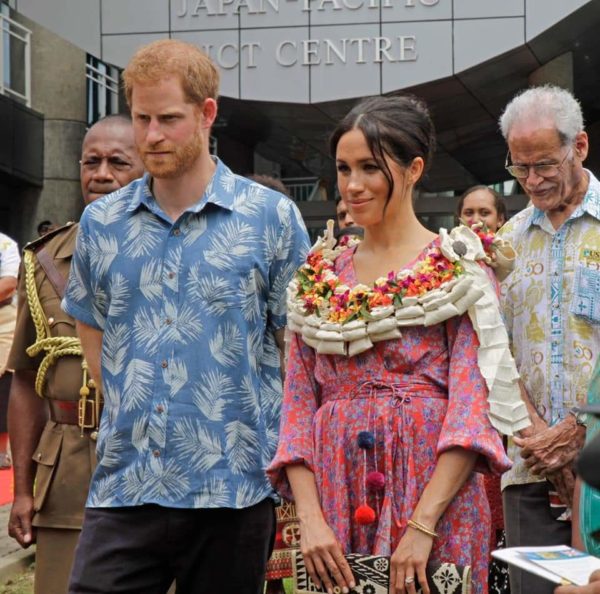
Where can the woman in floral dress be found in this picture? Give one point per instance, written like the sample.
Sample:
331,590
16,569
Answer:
384,450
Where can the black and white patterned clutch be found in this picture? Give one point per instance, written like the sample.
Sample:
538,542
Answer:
372,575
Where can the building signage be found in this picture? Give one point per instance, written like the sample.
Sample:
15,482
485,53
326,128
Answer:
305,52
196,8
313,52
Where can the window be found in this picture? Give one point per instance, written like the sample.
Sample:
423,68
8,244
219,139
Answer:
102,89
15,47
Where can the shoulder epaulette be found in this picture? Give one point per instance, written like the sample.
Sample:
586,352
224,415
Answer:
36,244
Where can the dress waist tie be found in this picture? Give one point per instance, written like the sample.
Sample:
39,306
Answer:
399,391
396,508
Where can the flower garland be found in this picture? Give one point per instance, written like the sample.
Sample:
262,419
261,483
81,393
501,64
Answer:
444,282
322,293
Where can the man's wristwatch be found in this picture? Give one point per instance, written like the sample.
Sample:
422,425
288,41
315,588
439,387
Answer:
581,418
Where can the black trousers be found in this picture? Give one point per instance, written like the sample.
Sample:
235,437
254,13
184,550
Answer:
141,550
530,521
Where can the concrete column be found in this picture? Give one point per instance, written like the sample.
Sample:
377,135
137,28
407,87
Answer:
59,92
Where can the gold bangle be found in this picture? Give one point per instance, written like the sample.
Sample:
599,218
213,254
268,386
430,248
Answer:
421,528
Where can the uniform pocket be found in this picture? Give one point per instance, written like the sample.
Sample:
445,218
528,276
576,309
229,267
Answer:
46,456
586,294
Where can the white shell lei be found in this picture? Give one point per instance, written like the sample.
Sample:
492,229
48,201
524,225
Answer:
472,292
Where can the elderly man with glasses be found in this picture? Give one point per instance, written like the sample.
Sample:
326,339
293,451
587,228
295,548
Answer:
552,308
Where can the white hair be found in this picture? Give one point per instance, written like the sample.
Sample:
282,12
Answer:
546,102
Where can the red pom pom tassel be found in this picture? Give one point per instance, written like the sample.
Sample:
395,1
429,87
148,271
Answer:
364,514
375,480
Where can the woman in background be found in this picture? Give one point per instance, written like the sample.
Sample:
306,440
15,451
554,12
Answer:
482,204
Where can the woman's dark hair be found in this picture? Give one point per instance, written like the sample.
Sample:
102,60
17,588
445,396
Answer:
499,203
399,127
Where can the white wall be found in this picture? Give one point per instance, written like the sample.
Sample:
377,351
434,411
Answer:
278,50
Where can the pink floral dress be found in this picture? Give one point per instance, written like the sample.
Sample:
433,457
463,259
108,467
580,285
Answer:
419,396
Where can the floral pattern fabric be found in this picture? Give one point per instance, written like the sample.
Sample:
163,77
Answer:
190,368
551,305
419,396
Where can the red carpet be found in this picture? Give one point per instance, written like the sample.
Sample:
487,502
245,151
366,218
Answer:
6,486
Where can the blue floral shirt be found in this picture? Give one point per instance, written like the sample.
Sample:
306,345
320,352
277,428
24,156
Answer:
190,367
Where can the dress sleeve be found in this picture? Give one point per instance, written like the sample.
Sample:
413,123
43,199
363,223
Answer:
300,402
466,424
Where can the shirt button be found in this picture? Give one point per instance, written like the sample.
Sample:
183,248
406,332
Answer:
168,321
156,453
160,409
171,275
164,364
177,232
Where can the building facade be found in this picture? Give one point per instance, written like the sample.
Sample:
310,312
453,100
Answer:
291,68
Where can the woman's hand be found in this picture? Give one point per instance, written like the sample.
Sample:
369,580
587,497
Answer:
409,561
323,556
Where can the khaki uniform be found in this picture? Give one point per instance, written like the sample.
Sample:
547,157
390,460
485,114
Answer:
65,454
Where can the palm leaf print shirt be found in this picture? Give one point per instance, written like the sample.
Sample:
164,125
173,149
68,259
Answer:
190,367
551,303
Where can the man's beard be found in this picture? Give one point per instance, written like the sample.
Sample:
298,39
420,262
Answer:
178,162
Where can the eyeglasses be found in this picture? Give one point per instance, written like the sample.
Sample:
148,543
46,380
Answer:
540,169
114,163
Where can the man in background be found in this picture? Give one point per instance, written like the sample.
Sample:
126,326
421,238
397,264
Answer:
52,446
45,227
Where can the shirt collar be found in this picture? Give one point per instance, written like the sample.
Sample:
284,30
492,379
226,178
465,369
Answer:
219,191
590,204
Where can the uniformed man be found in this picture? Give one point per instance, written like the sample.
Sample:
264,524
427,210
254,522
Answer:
53,409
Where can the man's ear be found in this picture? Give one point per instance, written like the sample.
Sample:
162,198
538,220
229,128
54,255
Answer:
581,146
209,112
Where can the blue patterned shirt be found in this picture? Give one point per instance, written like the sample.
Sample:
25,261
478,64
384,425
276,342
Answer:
190,366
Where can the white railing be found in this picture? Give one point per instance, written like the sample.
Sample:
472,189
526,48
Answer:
103,92
14,33
102,78
302,189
